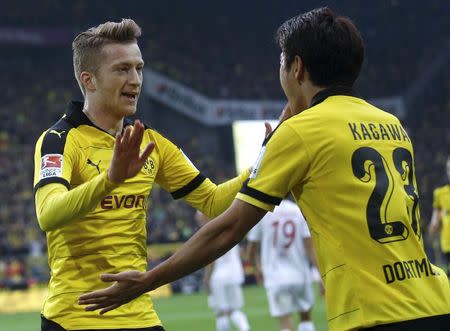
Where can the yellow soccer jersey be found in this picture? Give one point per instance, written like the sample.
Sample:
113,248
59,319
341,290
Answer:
112,237
441,201
350,167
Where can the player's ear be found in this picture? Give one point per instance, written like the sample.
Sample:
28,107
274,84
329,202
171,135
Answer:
88,81
299,69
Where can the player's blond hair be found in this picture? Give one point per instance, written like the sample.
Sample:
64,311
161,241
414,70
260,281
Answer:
87,46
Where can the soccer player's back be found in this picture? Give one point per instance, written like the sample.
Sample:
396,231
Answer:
370,153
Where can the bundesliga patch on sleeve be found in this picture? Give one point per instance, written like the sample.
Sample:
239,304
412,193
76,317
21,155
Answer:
51,166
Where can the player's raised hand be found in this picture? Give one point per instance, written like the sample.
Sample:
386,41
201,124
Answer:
127,157
128,286
285,114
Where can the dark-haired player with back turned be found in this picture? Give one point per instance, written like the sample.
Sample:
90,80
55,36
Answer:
350,168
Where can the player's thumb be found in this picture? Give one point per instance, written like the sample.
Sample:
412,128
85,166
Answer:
109,278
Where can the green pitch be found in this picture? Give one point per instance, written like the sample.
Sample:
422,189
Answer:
187,313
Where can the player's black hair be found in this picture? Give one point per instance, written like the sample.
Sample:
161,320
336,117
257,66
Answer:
330,46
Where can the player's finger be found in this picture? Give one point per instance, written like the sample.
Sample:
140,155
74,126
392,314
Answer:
138,134
96,306
126,136
91,301
268,128
109,277
96,294
105,310
118,141
147,151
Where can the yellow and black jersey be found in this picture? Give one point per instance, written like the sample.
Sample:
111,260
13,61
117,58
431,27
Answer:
441,201
350,167
104,230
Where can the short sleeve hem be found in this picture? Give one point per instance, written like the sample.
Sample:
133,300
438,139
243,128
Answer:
255,202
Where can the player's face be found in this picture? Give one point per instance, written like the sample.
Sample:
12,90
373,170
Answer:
285,79
290,84
119,79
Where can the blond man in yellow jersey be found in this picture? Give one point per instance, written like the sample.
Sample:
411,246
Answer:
440,219
350,167
94,170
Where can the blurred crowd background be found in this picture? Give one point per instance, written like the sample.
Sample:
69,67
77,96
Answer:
222,50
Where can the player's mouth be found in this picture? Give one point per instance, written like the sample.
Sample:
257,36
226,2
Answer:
131,96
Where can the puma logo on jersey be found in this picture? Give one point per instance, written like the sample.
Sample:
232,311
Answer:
57,133
94,165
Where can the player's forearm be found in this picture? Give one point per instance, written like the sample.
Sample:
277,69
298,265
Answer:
211,199
210,242
57,206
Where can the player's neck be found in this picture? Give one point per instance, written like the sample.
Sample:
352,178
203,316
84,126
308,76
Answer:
306,92
310,91
102,118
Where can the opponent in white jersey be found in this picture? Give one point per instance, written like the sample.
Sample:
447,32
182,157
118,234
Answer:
285,245
223,280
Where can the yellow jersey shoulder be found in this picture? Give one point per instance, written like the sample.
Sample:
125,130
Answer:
442,190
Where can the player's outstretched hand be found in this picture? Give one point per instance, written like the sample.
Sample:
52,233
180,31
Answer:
128,286
127,157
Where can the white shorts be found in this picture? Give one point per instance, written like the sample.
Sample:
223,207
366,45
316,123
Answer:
226,298
288,299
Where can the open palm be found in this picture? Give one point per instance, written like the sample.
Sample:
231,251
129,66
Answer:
128,286
127,158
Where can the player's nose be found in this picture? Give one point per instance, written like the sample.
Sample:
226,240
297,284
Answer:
134,77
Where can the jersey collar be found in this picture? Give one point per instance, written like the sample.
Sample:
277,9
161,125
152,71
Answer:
330,91
76,116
